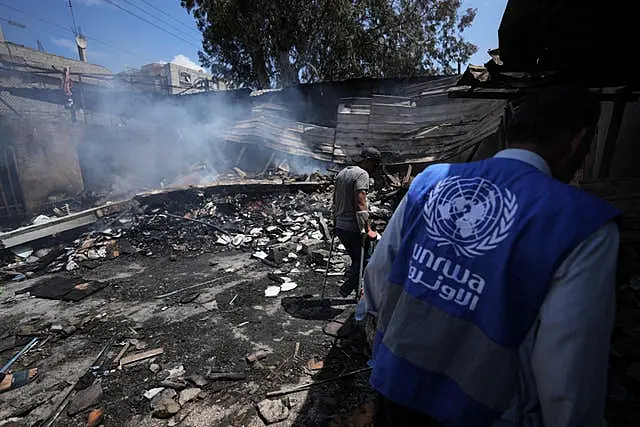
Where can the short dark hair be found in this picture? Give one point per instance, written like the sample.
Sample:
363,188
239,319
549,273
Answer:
370,153
553,113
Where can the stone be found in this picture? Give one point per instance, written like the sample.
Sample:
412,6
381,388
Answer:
155,368
211,305
253,388
85,399
198,380
177,372
164,406
150,394
273,411
174,384
310,245
187,395
320,256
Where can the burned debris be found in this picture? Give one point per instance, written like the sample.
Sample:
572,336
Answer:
239,250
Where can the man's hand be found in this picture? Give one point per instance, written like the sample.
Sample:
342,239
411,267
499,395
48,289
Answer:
406,182
372,235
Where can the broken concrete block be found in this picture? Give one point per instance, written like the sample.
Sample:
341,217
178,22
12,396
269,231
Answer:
187,395
85,399
198,380
273,411
319,256
174,384
272,291
155,368
150,394
309,245
163,405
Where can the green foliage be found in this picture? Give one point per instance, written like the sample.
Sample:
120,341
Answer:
266,43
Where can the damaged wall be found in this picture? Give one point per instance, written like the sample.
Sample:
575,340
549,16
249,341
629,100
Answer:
40,117
46,159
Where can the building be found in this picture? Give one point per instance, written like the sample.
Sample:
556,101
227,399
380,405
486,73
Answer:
42,116
169,79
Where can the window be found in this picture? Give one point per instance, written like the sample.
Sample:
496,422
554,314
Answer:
185,78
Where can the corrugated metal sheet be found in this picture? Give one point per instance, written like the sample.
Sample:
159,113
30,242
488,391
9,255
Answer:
424,128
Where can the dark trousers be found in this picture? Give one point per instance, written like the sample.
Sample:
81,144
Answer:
352,241
390,414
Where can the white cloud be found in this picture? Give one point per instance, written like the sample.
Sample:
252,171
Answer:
65,43
186,62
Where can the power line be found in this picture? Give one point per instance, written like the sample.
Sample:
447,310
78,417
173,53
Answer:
111,2
68,30
151,5
164,20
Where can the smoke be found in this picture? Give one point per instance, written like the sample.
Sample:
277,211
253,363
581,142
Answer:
137,142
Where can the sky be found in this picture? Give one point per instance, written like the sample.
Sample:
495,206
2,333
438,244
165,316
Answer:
117,39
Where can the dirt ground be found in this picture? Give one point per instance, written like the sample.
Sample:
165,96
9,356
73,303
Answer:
212,328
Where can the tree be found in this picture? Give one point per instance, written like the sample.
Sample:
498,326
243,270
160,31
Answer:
267,43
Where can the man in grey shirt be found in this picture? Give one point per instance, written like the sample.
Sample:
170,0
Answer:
352,212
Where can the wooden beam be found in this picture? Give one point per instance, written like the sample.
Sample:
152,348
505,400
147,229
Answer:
605,158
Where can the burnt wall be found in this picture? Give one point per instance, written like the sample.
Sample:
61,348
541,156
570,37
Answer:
46,160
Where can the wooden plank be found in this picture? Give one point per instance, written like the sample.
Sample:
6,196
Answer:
141,356
31,233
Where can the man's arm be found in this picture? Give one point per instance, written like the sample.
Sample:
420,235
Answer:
571,351
376,275
362,206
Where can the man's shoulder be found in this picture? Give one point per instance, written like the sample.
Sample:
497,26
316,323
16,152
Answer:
352,173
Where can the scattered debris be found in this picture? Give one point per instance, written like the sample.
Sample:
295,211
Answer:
96,417
187,395
124,350
302,387
259,355
273,411
288,286
315,365
226,376
18,355
141,356
272,291
150,394
198,380
208,282
85,399
155,368
164,406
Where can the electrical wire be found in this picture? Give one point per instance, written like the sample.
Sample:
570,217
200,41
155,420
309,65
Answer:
163,21
151,5
68,30
143,19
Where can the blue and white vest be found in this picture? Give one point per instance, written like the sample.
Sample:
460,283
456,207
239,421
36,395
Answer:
480,243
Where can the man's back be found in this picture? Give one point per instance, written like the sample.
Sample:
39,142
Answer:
349,181
474,261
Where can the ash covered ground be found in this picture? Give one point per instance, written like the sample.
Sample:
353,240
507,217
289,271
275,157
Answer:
186,275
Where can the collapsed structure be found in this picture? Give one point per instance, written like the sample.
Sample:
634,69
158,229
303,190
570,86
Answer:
195,298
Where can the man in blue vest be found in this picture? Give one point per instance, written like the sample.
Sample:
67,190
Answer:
494,284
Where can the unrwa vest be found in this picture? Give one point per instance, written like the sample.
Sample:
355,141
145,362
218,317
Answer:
480,244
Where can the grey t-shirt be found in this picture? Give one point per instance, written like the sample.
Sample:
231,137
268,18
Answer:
349,182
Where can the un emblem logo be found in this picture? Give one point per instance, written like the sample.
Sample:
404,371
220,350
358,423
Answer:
472,214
